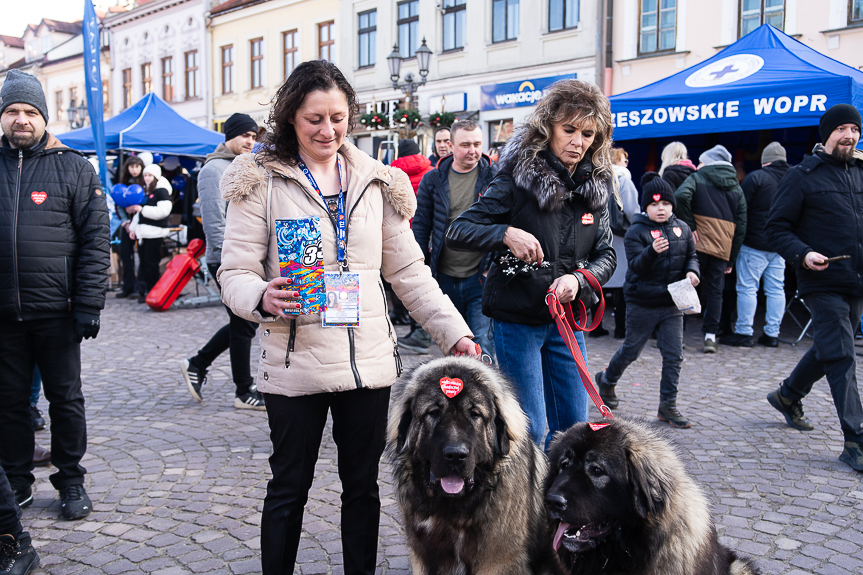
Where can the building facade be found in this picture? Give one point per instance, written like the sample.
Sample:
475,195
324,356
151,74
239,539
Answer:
160,46
491,58
256,44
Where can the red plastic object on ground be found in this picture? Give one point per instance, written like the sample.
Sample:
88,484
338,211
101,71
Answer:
178,273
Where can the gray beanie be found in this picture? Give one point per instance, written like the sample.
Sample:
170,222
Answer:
22,88
714,155
774,152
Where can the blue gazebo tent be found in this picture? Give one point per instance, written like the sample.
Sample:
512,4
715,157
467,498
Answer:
150,125
765,80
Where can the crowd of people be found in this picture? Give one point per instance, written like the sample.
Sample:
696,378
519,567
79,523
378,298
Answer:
469,247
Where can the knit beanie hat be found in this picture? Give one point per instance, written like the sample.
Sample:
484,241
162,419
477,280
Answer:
22,88
655,189
154,170
774,152
715,154
239,124
836,116
408,147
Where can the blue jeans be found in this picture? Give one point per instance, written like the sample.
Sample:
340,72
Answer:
752,265
466,296
36,387
544,375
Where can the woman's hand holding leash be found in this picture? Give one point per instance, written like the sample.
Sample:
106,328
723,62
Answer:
565,288
278,301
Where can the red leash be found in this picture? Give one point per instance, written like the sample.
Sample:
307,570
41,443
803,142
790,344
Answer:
566,323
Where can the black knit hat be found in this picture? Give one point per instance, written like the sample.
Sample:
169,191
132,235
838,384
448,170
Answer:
408,147
836,116
655,189
23,88
239,124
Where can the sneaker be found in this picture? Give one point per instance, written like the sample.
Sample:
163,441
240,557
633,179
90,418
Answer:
599,332
23,497
709,346
41,456
252,399
36,418
668,412
195,378
123,294
606,390
17,557
768,340
792,410
142,298
852,455
74,502
417,341
736,340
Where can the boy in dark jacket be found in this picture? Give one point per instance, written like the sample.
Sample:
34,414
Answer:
660,250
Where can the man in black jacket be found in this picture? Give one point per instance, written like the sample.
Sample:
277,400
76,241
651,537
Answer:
817,214
757,259
444,193
53,277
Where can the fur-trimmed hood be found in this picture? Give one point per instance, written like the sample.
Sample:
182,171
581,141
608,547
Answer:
245,175
537,170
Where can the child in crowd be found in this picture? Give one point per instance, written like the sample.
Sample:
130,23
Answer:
150,226
659,251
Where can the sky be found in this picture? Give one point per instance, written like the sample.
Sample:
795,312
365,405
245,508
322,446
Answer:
14,22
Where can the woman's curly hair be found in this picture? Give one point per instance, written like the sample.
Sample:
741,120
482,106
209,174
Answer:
573,101
281,143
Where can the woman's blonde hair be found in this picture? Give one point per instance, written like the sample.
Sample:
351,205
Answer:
672,154
572,101
618,154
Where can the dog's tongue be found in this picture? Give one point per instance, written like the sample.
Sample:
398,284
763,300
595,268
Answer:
561,529
452,484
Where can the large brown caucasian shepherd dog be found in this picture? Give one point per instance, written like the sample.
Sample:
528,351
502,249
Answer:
468,477
620,501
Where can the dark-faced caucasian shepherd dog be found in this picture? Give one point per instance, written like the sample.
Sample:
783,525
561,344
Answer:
620,501
468,477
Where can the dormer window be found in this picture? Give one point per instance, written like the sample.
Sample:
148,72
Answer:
46,43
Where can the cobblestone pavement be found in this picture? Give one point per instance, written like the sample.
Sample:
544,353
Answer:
178,486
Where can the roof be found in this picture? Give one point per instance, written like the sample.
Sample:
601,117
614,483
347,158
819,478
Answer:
64,27
12,41
232,5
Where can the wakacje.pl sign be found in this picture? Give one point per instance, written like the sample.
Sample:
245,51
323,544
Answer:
516,94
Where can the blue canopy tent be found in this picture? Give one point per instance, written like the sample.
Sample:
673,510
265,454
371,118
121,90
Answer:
150,125
764,80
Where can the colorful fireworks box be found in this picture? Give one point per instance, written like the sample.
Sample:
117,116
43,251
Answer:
301,259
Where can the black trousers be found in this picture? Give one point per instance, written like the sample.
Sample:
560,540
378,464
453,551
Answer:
237,337
835,318
10,513
296,428
127,257
149,254
52,345
712,283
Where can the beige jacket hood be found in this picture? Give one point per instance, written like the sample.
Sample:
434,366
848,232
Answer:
298,356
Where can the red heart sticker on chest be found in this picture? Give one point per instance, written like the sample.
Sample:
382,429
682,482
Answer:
587,219
677,231
656,234
598,426
38,197
451,386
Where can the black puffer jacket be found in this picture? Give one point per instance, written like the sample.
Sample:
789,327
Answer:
650,272
53,233
568,215
432,215
759,188
819,207
677,174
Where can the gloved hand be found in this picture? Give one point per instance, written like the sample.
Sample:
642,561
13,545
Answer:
86,324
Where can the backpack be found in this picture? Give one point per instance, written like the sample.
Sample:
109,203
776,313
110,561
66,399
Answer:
617,219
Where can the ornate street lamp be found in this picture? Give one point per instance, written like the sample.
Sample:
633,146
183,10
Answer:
77,114
410,85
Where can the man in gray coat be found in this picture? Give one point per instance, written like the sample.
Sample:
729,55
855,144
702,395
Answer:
240,133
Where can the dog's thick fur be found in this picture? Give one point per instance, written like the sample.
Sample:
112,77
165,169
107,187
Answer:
620,501
468,477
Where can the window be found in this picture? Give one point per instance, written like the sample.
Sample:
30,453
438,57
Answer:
58,100
326,41
408,23
754,13
106,97
368,31
168,79
855,12
257,46
504,20
73,96
227,69
454,24
146,78
289,51
193,84
658,25
562,14
127,88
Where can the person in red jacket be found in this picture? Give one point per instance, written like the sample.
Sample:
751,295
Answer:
415,165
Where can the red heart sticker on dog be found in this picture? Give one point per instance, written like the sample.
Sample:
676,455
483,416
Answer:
587,219
656,234
657,197
38,197
451,386
598,426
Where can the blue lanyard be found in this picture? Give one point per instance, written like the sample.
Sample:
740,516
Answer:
341,224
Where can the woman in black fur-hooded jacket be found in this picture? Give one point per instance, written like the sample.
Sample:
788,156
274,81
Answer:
543,217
